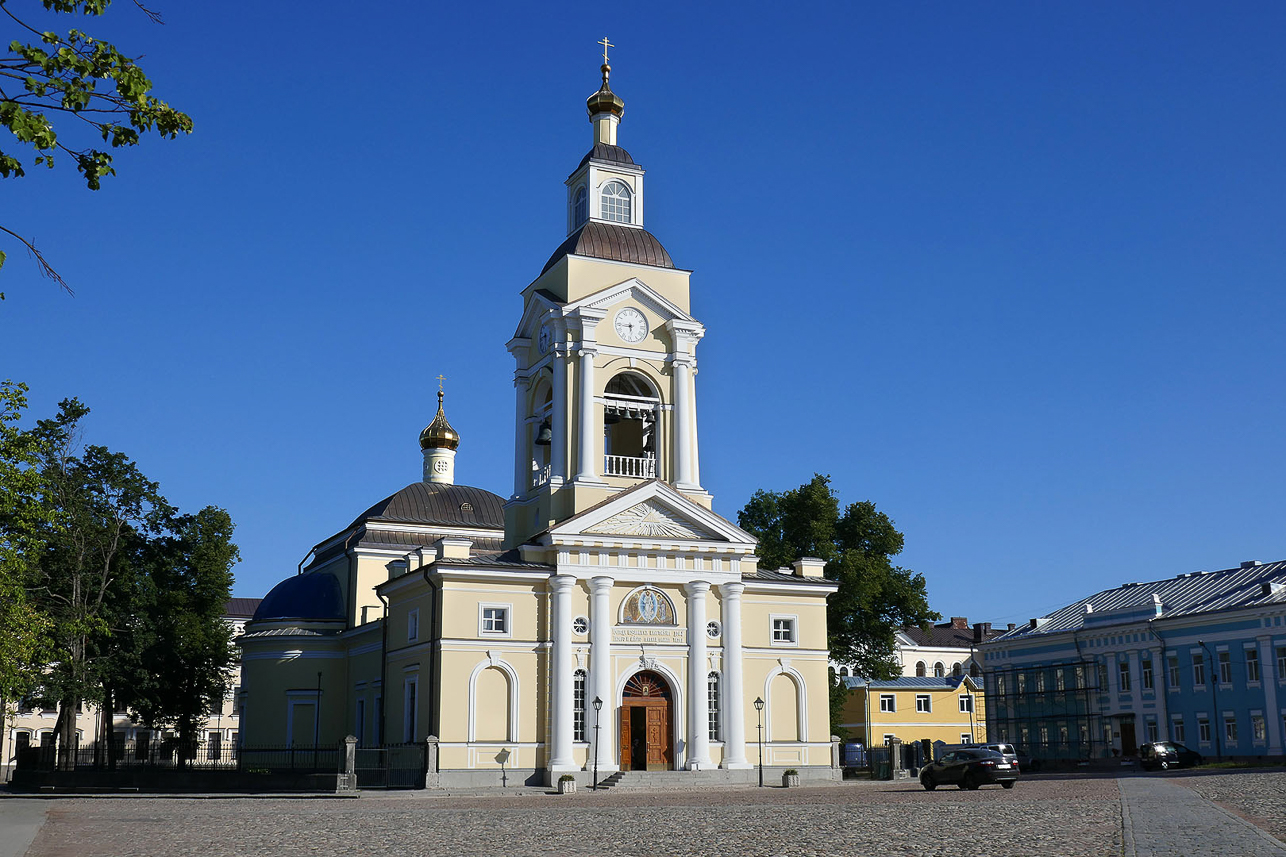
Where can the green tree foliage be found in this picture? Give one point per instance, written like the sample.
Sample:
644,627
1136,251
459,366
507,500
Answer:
133,591
23,517
875,597
49,77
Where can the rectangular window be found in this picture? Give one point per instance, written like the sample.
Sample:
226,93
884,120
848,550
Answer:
1176,729
783,630
1281,663
888,702
1225,668
1152,730
714,703
1040,682
1199,670
213,746
413,626
1000,685
578,706
1230,729
495,620
410,711
922,703
966,738
1080,678
1252,665
1258,728
1044,735
1145,673
1172,667
966,703
1203,730
1124,669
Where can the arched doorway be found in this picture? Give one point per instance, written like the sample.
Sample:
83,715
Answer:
647,734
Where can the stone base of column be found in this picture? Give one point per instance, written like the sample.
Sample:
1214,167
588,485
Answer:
696,765
565,767
738,766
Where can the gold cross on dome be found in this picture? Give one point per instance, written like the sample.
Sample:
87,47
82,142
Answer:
441,378
606,44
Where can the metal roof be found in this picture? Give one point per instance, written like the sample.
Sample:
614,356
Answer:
606,152
438,503
905,682
785,577
1250,585
613,241
240,608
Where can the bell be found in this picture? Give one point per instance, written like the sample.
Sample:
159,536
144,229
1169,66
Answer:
545,435
611,418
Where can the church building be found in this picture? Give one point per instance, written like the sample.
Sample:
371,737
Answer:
599,616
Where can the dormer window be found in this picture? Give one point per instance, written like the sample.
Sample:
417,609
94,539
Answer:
617,202
580,207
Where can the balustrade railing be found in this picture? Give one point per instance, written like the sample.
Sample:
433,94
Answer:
540,476
628,465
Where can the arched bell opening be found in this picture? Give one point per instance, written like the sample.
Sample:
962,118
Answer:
541,428
630,409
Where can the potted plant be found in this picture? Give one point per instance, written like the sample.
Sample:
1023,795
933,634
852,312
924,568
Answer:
790,778
566,784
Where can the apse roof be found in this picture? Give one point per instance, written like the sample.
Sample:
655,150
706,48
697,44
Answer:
312,597
613,241
438,503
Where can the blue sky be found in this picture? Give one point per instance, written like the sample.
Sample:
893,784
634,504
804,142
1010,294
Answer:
1013,271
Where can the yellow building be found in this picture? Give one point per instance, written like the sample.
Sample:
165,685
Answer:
910,708
499,624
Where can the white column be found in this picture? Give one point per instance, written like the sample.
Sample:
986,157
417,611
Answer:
558,419
600,664
698,706
562,680
1268,680
586,431
693,434
522,465
734,741
681,369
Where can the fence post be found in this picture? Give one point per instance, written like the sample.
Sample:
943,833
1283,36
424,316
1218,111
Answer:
348,776
835,760
895,758
431,779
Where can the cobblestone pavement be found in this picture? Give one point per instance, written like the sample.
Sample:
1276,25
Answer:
1069,818
1257,796
1161,818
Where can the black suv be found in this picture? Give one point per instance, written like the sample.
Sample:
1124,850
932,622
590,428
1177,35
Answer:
1161,755
969,769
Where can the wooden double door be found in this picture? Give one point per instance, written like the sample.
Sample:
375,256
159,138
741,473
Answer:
647,734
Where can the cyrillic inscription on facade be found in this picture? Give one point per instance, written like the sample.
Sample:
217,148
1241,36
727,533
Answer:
661,636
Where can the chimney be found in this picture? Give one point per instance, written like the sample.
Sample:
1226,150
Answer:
959,623
980,631
1011,626
809,566
1251,563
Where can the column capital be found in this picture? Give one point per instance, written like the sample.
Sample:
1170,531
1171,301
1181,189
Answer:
599,584
732,590
696,587
562,582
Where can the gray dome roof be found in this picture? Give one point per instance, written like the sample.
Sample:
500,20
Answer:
312,597
439,503
606,152
615,242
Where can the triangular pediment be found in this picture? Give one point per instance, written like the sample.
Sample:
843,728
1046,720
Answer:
651,511
652,520
633,290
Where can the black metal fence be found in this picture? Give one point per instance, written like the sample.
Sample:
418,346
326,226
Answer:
400,766
175,755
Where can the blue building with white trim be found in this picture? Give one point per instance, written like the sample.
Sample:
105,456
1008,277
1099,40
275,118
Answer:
1199,659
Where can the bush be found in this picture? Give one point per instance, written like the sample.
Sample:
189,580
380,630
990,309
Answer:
791,772
566,778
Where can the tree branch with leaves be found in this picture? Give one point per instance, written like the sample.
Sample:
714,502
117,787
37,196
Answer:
99,96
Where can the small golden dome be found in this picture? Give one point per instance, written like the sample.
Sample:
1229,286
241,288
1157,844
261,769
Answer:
439,434
605,101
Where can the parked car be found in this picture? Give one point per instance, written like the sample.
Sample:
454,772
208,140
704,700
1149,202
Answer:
1160,755
1006,750
969,769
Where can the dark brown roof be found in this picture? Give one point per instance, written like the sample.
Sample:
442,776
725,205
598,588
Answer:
613,241
240,608
948,637
604,152
436,503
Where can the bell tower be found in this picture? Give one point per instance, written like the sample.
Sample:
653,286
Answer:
605,351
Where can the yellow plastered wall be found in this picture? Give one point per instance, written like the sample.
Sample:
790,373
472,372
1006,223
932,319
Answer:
943,722
280,676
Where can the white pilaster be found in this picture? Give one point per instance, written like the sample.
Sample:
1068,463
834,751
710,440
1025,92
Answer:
682,368
734,742
698,706
562,731
1159,689
558,419
1268,679
600,662
586,433
522,464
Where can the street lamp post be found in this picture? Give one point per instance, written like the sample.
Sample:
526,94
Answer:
759,707
598,706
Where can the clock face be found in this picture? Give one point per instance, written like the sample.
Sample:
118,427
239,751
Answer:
630,324
543,341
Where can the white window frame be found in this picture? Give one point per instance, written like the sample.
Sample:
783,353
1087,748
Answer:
966,703
966,738
1172,675
1224,658
1199,660
1146,680
483,607
923,703
888,703
1258,728
628,198
713,629
793,621
580,705
714,711
413,625
1177,731
1254,670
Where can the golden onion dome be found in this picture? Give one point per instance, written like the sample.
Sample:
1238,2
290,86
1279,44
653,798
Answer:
605,101
439,434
